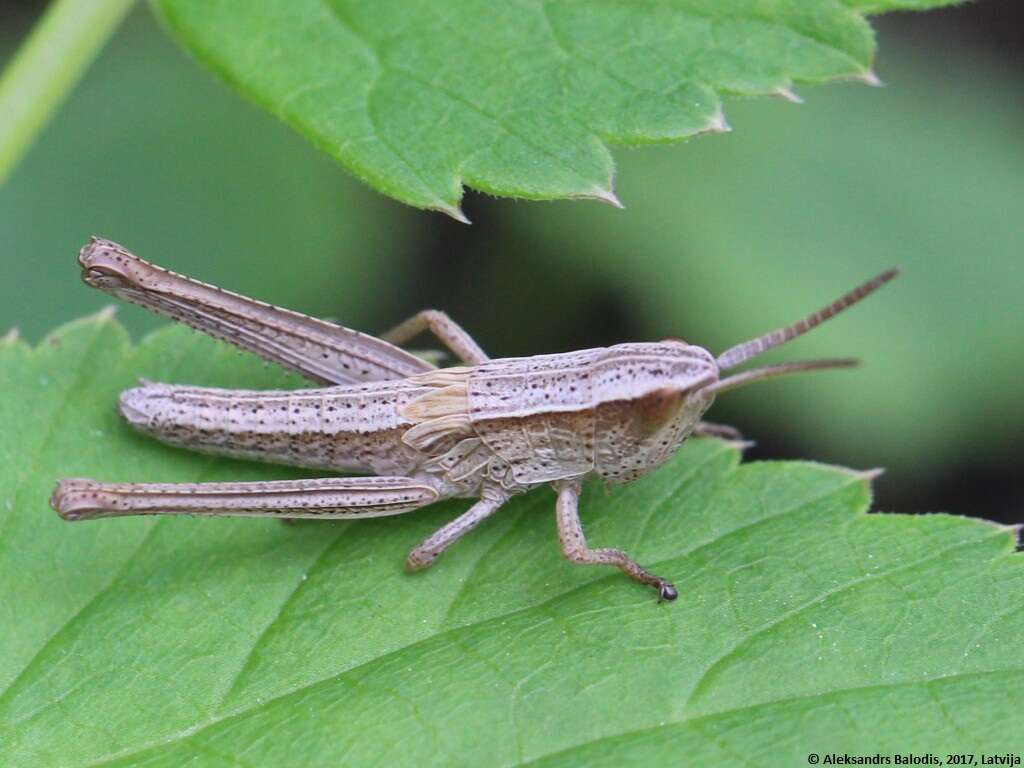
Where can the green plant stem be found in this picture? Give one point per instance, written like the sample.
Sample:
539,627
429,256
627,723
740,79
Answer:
46,66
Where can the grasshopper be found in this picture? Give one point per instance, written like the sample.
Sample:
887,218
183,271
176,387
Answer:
486,430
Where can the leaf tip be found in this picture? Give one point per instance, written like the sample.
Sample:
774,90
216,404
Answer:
789,95
869,475
868,77
13,336
718,123
740,445
106,314
607,196
454,212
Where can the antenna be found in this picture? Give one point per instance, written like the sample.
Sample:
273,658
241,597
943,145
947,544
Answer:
771,371
748,349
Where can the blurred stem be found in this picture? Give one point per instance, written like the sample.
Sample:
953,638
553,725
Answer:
51,60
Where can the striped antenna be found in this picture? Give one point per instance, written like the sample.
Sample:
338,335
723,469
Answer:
745,351
771,371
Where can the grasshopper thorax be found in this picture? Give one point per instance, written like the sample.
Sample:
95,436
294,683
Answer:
618,411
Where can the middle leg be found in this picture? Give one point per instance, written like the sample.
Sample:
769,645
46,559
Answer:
450,333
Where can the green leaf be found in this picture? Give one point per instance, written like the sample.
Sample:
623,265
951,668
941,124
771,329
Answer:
199,181
803,624
519,98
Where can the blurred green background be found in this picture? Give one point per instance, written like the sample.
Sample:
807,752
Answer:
722,238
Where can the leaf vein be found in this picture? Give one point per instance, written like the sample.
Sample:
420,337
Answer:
704,681
754,708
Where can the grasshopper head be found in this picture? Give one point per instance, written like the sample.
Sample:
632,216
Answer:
649,398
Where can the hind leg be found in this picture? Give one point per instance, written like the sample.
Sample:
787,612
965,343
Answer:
321,351
332,497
